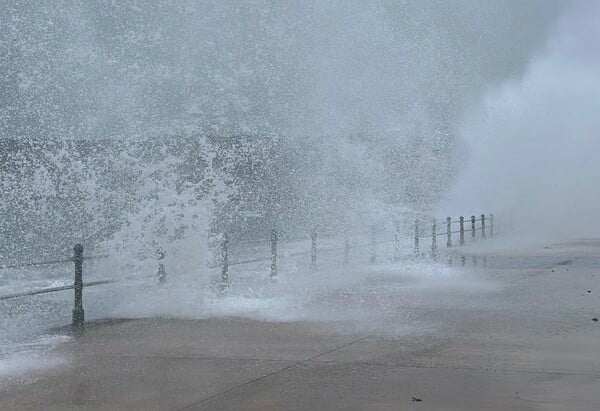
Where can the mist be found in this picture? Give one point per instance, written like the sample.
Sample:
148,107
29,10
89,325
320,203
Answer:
531,145
358,107
284,164
108,69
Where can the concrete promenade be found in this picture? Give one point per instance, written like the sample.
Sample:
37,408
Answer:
525,342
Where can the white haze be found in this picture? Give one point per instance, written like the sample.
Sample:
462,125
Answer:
350,86
534,144
368,94
327,67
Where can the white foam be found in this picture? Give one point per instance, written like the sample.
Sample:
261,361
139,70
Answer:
23,360
353,293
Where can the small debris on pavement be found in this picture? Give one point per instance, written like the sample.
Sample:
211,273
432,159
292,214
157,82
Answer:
415,399
595,319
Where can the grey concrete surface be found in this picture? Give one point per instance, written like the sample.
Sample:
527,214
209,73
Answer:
526,342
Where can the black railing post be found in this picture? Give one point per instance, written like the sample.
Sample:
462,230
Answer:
225,260
313,250
373,258
397,241
483,226
161,274
346,250
434,240
449,232
417,238
461,239
491,225
78,313
273,253
473,228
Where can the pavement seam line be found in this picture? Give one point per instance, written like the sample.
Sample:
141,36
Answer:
200,358
263,377
451,367
367,363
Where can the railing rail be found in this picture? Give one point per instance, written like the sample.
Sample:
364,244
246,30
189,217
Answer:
54,289
52,262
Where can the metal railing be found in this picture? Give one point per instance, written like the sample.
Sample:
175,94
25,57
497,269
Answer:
78,284
482,230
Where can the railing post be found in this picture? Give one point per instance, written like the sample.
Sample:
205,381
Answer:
417,238
461,239
161,274
397,241
273,253
313,250
225,260
491,225
434,240
78,313
473,228
373,258
449,232
483,226
346,250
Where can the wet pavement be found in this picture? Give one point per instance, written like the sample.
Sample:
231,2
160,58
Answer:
516,334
